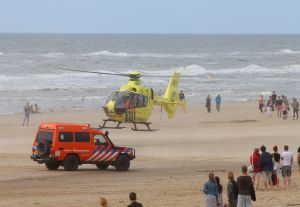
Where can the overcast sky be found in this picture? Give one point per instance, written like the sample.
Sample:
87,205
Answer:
151,16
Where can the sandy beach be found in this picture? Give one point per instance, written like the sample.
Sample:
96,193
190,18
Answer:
172,161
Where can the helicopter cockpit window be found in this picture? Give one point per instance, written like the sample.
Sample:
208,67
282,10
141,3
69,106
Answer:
123,99
99,139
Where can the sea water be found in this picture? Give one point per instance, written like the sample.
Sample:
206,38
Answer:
239,67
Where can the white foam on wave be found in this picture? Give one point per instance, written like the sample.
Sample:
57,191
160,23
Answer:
1,53
287,51
142,55
54,54
197,70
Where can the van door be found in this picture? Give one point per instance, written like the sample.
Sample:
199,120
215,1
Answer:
102,150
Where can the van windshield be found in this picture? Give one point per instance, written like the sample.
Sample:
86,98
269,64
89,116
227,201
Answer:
45,136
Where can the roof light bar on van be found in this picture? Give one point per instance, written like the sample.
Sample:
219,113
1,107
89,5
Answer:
61,128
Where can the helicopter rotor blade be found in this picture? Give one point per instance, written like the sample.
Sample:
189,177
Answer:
94,72
169,76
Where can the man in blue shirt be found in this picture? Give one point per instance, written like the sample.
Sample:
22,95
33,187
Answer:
218,102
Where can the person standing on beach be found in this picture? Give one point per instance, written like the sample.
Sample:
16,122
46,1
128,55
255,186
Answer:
261,103
266,167
218,100
208,103
245,186
278,104
255,162
274,97
276,164
232,190
270,107
284,109
27,111
295,106
181,95
134,203
210,189
287,162
220,191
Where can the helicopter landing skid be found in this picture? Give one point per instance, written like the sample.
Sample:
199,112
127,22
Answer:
111,120
147,124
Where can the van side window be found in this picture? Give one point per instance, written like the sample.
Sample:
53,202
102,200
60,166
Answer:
82,137
65,137
99,139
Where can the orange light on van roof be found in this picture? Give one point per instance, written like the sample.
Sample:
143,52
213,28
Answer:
61,128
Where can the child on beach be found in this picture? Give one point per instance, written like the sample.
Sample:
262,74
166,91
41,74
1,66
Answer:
284,109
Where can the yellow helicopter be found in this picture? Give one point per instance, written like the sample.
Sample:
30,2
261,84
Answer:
133,102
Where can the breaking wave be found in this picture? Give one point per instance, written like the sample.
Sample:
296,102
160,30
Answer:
288,51
198,70
143,55
54,54
1,53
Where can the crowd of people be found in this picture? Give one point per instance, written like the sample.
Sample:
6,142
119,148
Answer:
241,193
132,198
279,104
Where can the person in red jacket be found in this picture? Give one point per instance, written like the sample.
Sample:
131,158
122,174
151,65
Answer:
254,160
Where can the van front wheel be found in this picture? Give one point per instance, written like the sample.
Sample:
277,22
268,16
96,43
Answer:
52,165
122,163
71,163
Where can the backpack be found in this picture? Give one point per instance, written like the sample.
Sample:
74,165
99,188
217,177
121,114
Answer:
235,188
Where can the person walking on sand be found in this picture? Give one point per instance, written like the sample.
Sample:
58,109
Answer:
245,187
278,104
210,189
134,203
103,202
220,191
232,190
276,164
218,100
208,103
27,111
295,107
255,162
266,167
261,103
287,162
274,97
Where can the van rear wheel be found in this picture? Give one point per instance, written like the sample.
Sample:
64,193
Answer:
71,163
102,166
122,163
52,165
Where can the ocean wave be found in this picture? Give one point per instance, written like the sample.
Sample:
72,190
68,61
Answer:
197,70
287,51
142,55
54,54
1,53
